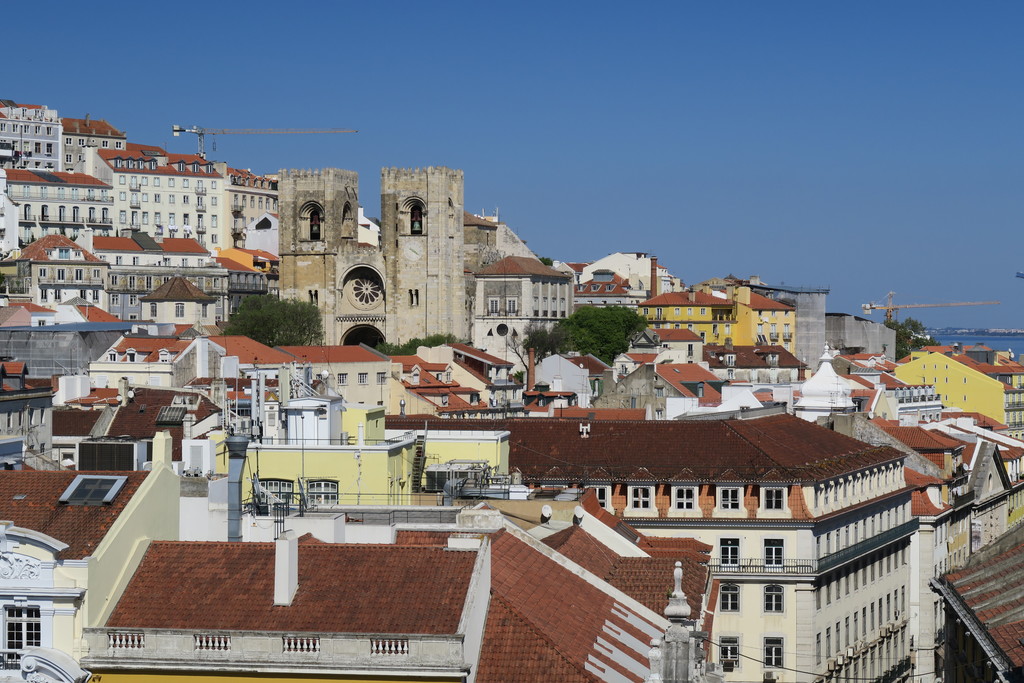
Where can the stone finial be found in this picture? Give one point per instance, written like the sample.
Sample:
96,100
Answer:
678,608
654,656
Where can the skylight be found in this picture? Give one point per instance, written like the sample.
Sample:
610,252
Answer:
92,489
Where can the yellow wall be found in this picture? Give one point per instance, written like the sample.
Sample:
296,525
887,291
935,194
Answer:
958,385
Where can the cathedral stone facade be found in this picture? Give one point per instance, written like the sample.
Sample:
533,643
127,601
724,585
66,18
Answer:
416,281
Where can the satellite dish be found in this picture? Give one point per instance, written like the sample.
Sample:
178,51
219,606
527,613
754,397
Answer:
131,394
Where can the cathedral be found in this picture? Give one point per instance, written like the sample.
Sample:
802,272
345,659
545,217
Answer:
416,280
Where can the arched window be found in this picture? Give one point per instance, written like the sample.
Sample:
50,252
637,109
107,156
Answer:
323,492
773,598
416,219
315,224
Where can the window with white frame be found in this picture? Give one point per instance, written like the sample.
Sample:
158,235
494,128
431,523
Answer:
364,378
684,497
604,496
774,499
24,628
323,492
773,652
730,601
729,552
279,488
729,652
641,497
729,497
773,595
342,378
774,549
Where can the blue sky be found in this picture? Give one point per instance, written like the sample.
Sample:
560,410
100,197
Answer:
862,146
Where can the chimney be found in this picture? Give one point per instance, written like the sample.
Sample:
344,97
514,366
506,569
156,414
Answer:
237,446
654,276
531,370
693,296
286,568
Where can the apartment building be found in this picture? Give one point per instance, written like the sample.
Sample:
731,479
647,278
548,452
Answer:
59,203
512,295
811,530
30,136
81,134
162,194
246,196
54,269
140,264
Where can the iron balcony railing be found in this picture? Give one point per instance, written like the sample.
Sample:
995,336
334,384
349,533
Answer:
762,566
868,545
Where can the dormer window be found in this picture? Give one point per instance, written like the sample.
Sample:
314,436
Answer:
130,355
112,356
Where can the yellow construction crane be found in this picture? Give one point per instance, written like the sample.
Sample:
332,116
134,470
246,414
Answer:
889,307
201,133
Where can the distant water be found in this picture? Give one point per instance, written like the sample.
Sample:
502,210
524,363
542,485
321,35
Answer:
999,343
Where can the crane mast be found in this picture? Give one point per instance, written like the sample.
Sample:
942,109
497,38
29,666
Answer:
201,133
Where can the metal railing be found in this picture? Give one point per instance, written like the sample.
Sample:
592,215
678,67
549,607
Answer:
867,545
763,566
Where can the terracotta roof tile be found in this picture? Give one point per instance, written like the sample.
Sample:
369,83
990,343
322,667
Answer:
521,265
74,422
343,588
250,351
37,250
334,354
178,289
52,178
30,499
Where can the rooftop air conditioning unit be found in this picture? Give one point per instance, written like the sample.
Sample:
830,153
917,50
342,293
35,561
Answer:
849,653
831,663
770,677
840,660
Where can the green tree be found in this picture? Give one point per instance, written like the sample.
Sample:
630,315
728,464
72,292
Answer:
277,322
547,261
409,348
604,332
910,336
545,340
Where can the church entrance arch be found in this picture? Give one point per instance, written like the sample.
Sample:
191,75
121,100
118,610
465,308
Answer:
363,334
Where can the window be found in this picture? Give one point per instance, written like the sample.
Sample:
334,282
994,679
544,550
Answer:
492,306
773,552
323,492
773,652
604,496
152,311
24,629
730,597
315,223
511,306
774,499
342,378
773,598
640,497
179,310
729,552
729,652
416,220
684,498
279,488
729,498
382,377
364,378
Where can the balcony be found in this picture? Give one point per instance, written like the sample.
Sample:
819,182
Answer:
135,203
242,650
200,206
102,220
133,187
868,545
762,566
200,190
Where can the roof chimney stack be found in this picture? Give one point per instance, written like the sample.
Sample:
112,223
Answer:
237,446
531,369
286,568
654,276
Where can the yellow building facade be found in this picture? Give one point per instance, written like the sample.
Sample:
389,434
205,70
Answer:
735,314
971,386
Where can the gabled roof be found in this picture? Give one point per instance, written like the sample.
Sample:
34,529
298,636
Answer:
95,314
521,265
183,245
477,221
16,175
31,307
342,588
178,289
74,422
750,356
37,250
231,264
589,362
684,299
102,243
148,348
468,350
666,334
31,499
762,303
139,417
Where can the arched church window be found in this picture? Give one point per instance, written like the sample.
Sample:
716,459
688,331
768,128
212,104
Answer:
315,224
416,220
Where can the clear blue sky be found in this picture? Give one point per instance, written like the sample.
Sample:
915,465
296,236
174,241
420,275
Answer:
864,146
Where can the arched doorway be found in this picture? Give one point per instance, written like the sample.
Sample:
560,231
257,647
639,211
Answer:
363,334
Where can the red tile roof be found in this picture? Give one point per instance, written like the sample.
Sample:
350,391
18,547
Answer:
95,314
37,250
148,348
334,354
602,413
30,499
759,302
342,588
183,245
231,264
780,448
673,335
684,299
101,243
750,356
521,265
52,178
138,419
178,289
251,351
74,422
31,307
468,350
89,127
